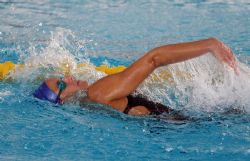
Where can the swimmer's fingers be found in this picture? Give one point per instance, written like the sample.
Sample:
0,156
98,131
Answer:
231,60
229,57
225,54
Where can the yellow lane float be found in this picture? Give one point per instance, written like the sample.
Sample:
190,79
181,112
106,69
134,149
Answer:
5,69
8,66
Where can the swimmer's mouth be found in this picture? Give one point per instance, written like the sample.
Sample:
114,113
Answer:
78,82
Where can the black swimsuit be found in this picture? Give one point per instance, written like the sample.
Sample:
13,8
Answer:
153,107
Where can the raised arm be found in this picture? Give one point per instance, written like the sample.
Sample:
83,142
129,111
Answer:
115,87
173,53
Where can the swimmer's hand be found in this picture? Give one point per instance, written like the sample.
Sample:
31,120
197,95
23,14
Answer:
224,54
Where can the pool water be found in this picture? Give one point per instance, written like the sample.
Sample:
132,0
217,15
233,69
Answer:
48,34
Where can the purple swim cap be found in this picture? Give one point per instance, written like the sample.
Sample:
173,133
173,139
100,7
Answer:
43,92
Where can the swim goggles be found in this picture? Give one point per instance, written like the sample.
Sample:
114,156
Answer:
61,85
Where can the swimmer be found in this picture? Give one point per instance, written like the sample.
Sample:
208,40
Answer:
116,90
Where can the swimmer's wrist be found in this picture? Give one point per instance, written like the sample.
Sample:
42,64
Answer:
212,44
215,44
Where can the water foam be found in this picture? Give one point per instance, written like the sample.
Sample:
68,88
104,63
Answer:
202,84
209,86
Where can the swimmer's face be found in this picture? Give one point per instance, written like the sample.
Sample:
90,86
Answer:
72,86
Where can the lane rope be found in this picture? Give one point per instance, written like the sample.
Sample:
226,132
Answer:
7,67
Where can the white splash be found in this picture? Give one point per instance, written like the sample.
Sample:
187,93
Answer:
56,59
205,84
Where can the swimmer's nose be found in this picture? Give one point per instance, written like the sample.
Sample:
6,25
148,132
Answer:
69,79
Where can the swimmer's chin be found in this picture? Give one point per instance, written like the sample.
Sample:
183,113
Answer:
75,98
82,85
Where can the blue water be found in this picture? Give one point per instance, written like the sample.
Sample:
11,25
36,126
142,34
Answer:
117,33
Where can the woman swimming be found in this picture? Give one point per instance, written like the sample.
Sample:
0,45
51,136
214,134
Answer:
115,90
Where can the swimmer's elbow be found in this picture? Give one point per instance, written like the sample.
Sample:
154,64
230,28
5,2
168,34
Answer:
160,57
